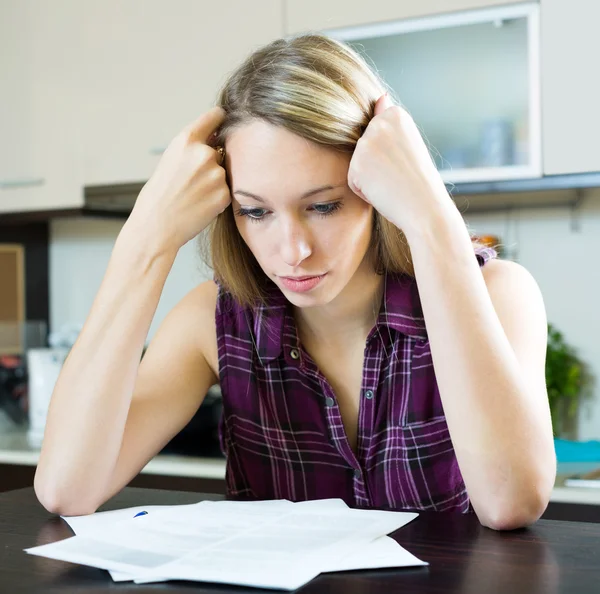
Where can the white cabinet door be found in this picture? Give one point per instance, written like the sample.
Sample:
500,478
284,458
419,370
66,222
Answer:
476,130
39,103
315,15
153,66
570,88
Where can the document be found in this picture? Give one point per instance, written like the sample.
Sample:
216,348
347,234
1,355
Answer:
268,544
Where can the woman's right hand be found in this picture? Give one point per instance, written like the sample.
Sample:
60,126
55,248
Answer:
187,190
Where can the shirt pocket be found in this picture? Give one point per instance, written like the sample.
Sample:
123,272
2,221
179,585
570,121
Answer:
433,478
424,402
427,476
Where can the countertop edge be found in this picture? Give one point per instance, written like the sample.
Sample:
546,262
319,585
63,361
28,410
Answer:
163,464
214,468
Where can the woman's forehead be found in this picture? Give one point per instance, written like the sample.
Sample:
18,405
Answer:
267,156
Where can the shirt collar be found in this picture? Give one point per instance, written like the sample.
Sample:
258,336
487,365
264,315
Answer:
401,307
267,324
400,310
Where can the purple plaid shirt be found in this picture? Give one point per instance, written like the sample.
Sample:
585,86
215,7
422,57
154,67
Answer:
282,431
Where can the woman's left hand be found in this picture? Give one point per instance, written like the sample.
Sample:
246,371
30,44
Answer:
392,170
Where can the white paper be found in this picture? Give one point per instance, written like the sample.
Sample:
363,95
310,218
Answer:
380,553
86,525
274,544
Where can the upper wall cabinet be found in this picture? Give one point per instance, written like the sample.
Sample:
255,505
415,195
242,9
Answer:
39,106
570,89
91,93
151,67
316,15
471,82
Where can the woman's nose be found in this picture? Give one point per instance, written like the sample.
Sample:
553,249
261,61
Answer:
295,245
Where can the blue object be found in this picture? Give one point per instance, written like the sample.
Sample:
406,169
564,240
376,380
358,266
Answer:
142,513
577,451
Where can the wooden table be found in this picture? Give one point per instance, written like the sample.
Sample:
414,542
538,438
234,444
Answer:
550,557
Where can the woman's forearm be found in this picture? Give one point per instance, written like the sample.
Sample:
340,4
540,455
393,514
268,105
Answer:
502,442
89,406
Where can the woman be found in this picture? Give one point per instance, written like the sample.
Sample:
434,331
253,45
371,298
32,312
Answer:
366,349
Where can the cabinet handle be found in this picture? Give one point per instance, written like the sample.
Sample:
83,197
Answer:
157,150
21,183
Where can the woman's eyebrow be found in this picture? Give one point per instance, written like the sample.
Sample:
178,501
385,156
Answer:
305,195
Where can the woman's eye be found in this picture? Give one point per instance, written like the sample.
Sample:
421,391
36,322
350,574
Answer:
259,214
255,214
327,209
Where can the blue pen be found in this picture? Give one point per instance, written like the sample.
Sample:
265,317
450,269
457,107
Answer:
142,513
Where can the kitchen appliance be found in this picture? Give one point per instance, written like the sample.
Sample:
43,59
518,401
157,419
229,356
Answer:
200,437
43,367
13,388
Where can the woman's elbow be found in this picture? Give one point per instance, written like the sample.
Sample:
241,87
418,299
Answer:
517,514
59,503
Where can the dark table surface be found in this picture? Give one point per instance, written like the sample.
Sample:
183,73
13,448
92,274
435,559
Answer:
549,557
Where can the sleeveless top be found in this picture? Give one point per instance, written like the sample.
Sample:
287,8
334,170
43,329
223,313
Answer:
281,429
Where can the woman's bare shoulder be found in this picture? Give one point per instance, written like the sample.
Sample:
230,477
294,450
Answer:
203,296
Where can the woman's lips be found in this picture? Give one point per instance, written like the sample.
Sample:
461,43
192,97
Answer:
301,284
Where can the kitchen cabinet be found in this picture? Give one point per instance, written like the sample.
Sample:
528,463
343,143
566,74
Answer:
39,114
570,90
150,68
92,93
316,15
471,82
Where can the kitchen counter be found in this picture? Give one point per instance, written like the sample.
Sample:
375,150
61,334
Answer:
464,557
562,494
14,449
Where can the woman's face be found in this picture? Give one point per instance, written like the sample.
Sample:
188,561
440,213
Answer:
308,231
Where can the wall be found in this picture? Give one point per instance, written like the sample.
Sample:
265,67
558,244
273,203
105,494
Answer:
79,253
563,261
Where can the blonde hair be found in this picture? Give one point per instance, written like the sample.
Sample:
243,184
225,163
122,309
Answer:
321,90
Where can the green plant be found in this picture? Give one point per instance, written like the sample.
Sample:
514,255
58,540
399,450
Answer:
566,381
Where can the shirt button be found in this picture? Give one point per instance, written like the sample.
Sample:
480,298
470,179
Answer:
329,402
369,394
357,473
294,354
